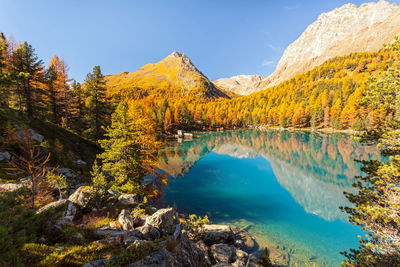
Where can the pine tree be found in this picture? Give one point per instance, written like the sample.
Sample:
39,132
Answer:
28,70
96,103
121,157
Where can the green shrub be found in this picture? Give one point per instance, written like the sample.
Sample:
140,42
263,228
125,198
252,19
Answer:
135,253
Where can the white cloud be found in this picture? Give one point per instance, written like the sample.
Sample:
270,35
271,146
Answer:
268,63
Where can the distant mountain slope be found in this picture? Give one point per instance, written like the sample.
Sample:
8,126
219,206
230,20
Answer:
342,31
339,32
175,75
241,84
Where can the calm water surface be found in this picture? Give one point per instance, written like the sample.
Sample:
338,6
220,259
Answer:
285,187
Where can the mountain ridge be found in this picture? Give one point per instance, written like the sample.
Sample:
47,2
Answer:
344,30
174,75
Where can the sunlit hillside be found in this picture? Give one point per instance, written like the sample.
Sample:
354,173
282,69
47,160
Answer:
171,77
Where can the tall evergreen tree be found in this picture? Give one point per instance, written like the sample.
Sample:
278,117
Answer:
121,157
96,103
4,76
28,69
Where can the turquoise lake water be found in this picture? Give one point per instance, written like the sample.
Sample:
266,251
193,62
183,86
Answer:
285,187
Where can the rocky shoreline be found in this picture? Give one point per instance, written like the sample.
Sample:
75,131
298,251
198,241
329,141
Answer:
147,236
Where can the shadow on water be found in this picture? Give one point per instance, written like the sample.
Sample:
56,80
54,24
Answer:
287,186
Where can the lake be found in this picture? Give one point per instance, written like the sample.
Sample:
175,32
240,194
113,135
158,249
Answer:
284,187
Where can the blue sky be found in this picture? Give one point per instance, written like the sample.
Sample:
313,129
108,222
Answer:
223,38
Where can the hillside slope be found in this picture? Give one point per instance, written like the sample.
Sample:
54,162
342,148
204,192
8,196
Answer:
173,76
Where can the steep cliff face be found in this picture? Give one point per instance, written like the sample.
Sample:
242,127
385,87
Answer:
339,32
241,84
172,76
342,31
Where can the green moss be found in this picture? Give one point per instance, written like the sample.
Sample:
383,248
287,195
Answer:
135,253
43,255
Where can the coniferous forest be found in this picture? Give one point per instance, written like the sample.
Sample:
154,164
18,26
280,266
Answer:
79,160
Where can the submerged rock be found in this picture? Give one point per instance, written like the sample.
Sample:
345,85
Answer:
215,234
245,242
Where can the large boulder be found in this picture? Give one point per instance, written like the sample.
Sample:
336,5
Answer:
52,205
216,233
163,220
125,220
82,196
129,199
222,253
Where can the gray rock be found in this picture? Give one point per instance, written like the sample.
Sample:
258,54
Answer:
129,199
222,253
203,247
66,172
241,258
185,254
125,220
10,187
111,233
215,234
113,193
163,220
68,215
96,263
131,239
5,156
51,205
80,162
36,136
149,232
82,196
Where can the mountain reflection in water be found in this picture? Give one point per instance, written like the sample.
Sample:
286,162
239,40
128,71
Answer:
251,176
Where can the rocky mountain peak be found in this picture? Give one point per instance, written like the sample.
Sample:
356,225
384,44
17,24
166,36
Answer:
341,31
241,84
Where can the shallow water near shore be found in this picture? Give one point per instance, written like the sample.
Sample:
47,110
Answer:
283,187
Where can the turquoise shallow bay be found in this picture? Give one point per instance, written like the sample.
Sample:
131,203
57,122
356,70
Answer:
286,187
